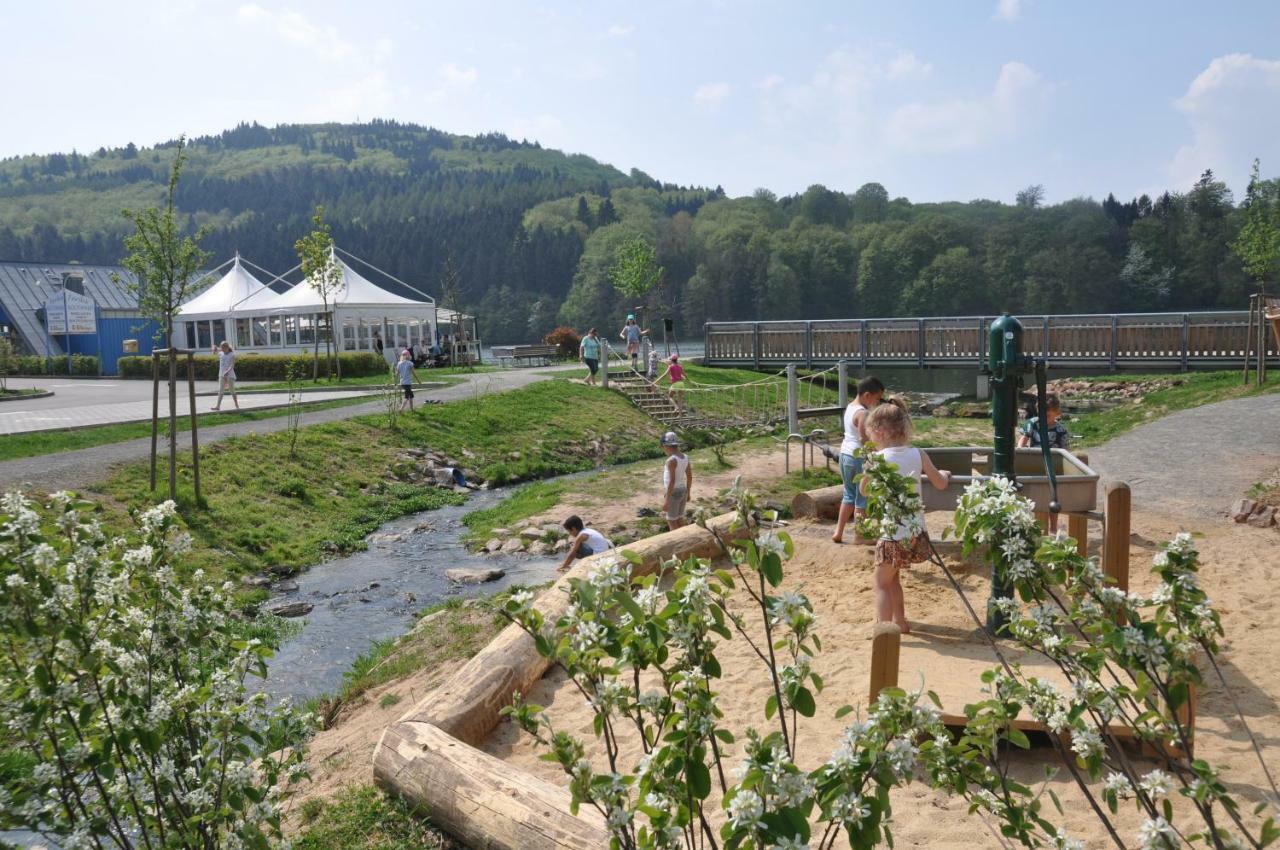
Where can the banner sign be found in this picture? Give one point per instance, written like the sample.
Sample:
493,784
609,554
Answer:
70,313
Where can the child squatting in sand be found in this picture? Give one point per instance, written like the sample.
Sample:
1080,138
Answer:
889,427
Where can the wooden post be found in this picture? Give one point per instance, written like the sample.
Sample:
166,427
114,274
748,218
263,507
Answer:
1115,546
886,646
195,434
1248,338
155,413
1078,525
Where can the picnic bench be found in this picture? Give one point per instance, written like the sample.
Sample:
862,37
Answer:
512,355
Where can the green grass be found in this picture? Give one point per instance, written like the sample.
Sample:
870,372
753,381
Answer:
446,374
365,819
263,510
51,442
529,500
16,393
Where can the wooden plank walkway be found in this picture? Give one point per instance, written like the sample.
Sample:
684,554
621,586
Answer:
1115,341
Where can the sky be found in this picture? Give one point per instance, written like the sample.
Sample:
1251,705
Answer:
944,100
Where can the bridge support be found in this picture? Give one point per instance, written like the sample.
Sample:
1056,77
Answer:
842,370
793,400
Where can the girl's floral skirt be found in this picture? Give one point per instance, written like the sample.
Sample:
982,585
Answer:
900,554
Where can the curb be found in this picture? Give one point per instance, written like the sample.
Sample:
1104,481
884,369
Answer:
27,396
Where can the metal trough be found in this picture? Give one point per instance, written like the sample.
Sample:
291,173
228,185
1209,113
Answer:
1077,482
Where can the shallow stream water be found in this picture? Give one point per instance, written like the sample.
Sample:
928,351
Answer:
374,595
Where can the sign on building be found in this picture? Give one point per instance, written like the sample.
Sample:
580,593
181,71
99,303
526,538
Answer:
70,313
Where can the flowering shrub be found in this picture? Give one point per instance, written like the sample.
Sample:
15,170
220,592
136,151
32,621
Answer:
127,689
565,339
892,500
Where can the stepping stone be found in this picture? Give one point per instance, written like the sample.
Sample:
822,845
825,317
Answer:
469,576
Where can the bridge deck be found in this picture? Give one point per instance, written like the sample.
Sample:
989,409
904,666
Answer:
1204,340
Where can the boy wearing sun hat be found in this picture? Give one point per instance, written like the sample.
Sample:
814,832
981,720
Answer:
677,481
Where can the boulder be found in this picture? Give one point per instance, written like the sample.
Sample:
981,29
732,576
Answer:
291,609
1242,509
561,545
468,454
502,532
538,548
421,527
1263,517
286,587
942,412
462,575
645,512
531,534
258,580
512,546
416,452
494,545
384,539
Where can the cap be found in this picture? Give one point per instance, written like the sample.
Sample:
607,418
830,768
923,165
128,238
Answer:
670,439
631,317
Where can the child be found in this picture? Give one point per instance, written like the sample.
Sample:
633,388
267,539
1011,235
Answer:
408,377
676,372
1059,437
889,426
631,334
652,372
584,541
870,392
226,373
677,481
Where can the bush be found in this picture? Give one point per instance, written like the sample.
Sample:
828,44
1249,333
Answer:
566,339
83,365
261,367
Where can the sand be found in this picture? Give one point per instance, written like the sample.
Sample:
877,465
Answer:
1241,566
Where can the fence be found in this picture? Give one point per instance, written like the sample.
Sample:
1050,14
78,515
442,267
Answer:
1204,340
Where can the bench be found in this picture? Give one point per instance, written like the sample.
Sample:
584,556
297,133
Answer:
514,354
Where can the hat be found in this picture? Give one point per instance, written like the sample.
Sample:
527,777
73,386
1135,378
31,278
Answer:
631,317
670,439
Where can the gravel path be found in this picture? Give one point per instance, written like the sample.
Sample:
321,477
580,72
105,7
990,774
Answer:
1196,462
76,469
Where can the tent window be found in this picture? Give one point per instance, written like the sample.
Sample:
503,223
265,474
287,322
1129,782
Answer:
191,334
322,327
349,326
242,333
219,329
260,339
290,330
276,340
204,340
306,330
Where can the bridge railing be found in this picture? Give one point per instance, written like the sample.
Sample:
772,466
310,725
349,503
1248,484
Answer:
1160,340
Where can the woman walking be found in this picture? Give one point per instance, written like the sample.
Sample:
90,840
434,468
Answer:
226,373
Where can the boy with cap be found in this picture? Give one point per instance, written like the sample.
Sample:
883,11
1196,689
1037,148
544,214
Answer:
677,481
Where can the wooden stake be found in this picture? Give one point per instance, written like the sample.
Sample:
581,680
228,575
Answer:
886,646
1078,525
195,437
155,413
1115,546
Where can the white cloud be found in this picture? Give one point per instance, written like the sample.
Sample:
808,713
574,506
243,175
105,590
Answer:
770,82
1233,107
906,64
962,123
1007,10
365,98
293,28
711,95
620,30
543,127
457,77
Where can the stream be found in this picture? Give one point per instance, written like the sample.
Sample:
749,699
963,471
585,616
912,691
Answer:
375,594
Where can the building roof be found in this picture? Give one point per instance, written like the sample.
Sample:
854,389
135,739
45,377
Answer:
25,287
355,291
237,291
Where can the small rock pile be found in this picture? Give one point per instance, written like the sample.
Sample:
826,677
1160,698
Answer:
1110,390
1257,514
527,537
431,468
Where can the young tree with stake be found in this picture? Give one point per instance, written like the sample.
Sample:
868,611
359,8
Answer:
324,275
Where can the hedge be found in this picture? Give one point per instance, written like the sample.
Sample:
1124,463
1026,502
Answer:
261,367
33,364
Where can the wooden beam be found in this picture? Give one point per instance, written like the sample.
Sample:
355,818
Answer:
886,646
1077,524
1115,546
480,800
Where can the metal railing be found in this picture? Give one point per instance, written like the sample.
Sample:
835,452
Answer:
1108,341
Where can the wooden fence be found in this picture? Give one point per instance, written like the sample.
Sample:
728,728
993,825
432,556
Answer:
1207,340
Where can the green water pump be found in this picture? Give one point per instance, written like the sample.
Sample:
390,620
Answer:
1006,365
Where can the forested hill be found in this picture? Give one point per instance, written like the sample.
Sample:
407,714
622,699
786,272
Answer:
532,232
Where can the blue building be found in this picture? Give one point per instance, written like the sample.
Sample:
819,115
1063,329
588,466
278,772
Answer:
26,287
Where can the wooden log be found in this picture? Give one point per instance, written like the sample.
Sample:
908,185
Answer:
823,503
480,800
886,646
1115,546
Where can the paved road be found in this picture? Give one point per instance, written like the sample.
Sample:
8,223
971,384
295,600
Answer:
76,469
87,392
1196,462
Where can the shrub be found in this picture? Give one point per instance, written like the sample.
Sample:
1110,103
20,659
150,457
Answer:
261,367
127,687
566,339
83,365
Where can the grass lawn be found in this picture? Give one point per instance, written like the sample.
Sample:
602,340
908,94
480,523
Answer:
378,380
264,510
18,393
364,818
52,442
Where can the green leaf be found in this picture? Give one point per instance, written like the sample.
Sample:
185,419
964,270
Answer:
803,703
771,567
699,779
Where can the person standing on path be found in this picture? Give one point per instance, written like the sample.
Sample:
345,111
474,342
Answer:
869,392
677,481
408,377
632,334
226,373
589,353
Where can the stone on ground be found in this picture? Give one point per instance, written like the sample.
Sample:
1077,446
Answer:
291,609
493,546
1263,517
515,544
471,576
1242,509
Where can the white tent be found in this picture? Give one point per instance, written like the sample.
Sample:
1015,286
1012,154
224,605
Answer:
354,291
203,319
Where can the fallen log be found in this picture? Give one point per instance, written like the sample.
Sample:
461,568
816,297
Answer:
823,503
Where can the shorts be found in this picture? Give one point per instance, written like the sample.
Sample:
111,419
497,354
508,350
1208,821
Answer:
900,554
408,391
679,499
851,474
592,363
229,380
633,349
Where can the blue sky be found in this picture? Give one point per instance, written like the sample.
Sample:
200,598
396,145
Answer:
936,100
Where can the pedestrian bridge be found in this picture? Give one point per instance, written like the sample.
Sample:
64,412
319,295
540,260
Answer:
1112,341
